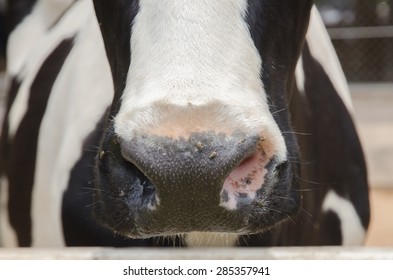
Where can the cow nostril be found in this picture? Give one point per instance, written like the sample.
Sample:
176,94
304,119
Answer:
246,161
197,166
249,173
126,179
148,188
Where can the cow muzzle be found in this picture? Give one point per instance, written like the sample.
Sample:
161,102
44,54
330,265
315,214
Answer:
157,185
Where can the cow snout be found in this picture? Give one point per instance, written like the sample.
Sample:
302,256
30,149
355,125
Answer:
158,185
201,171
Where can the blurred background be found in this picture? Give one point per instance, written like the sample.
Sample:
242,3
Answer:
362,34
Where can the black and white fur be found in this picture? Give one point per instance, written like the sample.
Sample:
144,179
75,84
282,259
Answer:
82,93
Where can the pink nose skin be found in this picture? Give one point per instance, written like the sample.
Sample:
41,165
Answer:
245,180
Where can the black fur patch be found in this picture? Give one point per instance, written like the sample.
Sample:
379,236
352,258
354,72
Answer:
337,150
115,19
330,229
4,144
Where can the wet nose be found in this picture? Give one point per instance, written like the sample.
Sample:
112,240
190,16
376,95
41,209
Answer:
203,169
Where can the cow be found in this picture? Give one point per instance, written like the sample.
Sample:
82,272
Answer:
178,123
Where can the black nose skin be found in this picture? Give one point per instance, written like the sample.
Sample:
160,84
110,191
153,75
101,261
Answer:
196,165
188,174
159,186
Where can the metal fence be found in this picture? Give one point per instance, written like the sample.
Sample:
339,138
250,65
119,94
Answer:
362,33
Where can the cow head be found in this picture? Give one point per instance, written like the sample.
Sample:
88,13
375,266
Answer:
198,136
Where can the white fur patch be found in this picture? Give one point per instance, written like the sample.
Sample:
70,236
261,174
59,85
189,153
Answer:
25,59
80,95
352,231
194,60
30,31
322,50
28,46
299,75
